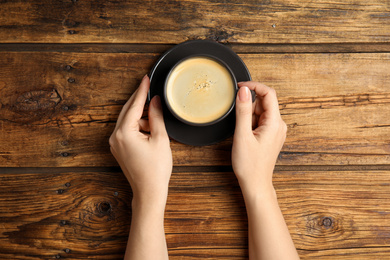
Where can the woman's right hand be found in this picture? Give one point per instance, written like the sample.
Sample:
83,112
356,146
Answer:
259,136
258,139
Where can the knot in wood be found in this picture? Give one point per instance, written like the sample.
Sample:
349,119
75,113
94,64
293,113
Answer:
327,222
67,250
72,32
35,100
104,208
71,80
323,225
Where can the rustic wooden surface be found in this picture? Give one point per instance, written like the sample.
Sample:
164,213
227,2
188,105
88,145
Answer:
67,67
330,213
58,112
159,21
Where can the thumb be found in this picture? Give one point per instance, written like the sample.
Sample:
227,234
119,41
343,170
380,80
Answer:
243,111
156,120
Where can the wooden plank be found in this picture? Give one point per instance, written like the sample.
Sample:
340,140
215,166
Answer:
331,214
329,101
59,109
159,21
240,48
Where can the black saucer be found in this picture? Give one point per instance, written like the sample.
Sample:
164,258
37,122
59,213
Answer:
187,134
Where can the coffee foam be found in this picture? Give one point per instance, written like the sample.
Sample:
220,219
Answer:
200,90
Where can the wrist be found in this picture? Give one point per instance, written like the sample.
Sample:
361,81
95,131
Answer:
153,201
260,203
259,193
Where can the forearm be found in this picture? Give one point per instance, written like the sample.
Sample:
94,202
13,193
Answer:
147,236
269,237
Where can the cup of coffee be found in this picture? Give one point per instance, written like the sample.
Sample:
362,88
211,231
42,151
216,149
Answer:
200,90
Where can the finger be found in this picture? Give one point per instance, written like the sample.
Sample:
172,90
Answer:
258,109
125,108
113,151
145,112
156,119
243,111
136,107
144,125
269,100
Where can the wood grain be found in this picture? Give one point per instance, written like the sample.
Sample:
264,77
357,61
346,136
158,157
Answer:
85,214
241,48
59,109
67,68
160,21
47,215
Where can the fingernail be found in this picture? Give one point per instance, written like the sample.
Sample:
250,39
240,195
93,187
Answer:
145,76
244,94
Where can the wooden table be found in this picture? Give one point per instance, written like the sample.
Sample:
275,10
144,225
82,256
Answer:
67,67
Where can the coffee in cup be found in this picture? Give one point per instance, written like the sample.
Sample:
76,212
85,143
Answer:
200,90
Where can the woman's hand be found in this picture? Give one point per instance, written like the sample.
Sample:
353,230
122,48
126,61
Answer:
142,147
259,136
142,150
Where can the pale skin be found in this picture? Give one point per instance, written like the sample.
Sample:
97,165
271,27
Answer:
259,136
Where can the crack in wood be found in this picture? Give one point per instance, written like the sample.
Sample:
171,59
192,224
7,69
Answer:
334,101
373,126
